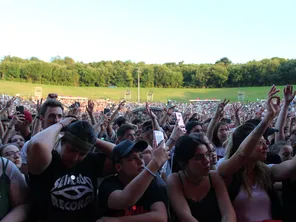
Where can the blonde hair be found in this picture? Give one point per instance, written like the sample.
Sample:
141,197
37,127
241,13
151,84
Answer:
262,174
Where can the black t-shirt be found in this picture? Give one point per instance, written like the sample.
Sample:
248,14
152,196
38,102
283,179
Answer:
63,194
156,192
289,200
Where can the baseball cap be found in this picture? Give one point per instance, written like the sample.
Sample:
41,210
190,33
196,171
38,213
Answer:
269,131
80,134
125,147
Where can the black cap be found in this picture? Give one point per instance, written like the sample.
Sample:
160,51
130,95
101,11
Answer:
269,131
125,147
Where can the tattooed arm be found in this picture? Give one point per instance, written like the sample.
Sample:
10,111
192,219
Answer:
230,166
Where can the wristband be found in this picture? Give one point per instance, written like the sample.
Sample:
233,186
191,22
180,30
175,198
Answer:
61,124
153,174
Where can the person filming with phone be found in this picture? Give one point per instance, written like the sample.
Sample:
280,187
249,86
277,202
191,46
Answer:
24,127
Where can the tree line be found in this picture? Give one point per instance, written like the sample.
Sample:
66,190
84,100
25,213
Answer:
65,71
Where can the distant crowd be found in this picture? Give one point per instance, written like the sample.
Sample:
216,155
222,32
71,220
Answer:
69,159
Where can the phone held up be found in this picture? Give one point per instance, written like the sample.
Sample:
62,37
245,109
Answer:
158,138
20,109
180,119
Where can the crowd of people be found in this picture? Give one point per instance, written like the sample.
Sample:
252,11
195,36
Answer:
68,160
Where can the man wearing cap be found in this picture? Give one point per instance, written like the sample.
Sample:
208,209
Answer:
63,175
133,194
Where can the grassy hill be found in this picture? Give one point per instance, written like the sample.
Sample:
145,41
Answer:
160,94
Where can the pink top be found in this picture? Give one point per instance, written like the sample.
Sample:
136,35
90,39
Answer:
256,208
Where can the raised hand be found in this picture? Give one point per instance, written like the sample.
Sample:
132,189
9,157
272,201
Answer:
273,103
236,108
289,95
121,105
38,107
18,117
90,106
220,109
160,155
178,131
150,113
10,102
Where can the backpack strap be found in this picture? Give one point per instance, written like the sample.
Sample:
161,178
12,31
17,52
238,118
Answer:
5,166
2,162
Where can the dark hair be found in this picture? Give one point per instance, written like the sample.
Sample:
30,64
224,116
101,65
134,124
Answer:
83,130
191,124
123,129
184,150
15,134
136,121
147,125
120,121
216,140
50,103
293,132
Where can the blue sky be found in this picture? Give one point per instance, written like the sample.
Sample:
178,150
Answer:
153,31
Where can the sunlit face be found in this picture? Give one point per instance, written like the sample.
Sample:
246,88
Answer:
286,153
223,133
12,153
18,140
71,155
260,152
52,116
131,165
199,164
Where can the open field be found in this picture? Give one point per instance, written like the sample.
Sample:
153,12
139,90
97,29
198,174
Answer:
160,94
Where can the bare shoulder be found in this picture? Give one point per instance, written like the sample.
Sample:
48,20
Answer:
216,178
172,179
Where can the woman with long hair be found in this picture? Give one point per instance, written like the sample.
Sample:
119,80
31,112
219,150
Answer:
249,179
195,192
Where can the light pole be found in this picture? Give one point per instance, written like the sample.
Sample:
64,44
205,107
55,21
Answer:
139,96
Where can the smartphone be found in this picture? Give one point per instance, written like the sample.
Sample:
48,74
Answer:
180,119
158,137
20,109
77,104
